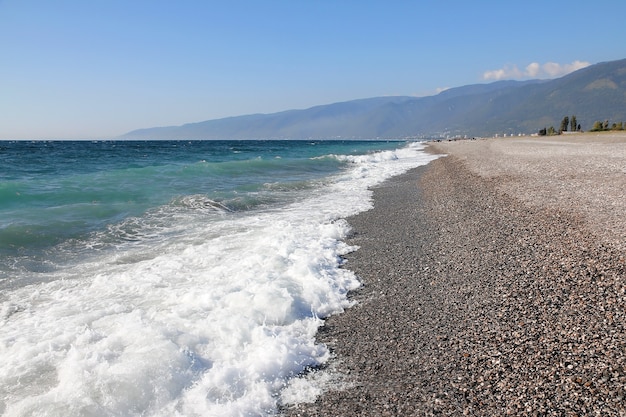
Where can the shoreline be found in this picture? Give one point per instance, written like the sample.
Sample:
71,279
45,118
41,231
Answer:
478,300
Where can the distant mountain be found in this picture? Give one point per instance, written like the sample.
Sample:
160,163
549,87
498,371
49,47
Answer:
597,92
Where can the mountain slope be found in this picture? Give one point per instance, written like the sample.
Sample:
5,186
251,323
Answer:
597,92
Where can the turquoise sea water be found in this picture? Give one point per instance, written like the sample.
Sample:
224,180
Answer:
65,193
164,278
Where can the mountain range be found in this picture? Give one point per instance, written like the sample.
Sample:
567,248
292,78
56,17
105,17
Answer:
597,92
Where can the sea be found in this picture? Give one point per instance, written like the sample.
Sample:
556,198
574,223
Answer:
176,278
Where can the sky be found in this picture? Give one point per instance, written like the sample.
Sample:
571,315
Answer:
96,69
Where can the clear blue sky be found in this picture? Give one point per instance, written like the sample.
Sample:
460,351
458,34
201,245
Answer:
99,68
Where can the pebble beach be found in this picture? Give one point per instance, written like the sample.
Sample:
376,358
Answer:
494,283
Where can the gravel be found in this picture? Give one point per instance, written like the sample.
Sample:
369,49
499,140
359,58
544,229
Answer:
480,300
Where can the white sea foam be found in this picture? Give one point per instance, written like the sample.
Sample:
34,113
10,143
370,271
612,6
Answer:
216,321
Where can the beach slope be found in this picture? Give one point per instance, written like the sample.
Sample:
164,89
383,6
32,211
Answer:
494,283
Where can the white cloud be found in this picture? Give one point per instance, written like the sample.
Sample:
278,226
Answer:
503,73
556,70
534,70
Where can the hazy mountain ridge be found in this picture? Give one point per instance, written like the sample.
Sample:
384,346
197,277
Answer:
597,92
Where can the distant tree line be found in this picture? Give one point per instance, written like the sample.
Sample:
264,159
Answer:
599,126
572,123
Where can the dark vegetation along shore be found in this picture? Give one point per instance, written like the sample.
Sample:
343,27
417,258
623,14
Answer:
486,291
